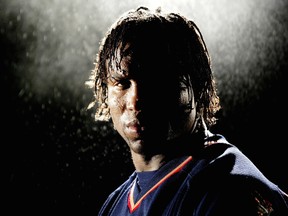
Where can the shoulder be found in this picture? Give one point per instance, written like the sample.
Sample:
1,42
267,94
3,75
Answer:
124,186
116,194
227,162
228,159
227,175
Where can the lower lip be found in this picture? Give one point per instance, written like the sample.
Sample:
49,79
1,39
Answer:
134,130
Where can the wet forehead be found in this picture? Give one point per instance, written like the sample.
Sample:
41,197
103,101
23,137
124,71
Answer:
119,63
139,57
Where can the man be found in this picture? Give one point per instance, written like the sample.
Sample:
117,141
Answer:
153,78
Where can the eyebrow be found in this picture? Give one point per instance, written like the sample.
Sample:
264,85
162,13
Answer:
116,76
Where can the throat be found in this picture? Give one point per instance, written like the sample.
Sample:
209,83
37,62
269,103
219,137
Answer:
143,163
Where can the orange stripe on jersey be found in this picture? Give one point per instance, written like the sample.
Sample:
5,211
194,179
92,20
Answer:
132,206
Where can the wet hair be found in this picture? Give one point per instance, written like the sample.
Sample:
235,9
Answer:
186,48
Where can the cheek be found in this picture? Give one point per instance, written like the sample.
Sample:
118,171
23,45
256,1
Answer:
190,123
113,102
115,107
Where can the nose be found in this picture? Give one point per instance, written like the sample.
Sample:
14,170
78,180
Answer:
133,97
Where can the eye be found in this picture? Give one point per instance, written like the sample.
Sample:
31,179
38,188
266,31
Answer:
185,96
121,83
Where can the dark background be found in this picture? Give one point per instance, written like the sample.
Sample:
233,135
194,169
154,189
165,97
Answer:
59,160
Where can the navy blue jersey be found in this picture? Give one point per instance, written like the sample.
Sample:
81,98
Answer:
220,180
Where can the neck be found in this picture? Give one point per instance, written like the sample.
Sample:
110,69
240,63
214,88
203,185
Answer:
184,145
143,163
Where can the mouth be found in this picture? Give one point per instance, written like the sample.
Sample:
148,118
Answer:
134,129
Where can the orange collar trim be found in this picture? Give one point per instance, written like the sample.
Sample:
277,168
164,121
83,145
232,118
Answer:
133,206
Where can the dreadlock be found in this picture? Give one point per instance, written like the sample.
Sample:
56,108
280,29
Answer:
187,47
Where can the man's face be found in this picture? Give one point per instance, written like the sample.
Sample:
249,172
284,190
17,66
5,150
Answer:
146,102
